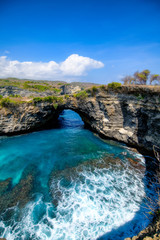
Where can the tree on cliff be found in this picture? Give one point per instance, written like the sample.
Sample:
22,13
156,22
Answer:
128,80
142,78
155,78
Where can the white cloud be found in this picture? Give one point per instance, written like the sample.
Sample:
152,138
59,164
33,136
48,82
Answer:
73,66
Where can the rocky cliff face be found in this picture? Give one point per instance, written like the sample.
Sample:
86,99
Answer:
152,232
122,116
26,117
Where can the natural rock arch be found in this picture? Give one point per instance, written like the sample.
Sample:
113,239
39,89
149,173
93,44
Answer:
121,117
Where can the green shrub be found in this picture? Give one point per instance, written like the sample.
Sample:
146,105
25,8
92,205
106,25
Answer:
54,98
48,99
46,83
81,95
11,95
40,88
55,105
6,102
9,82
114,85
60,100
94,90
15,95
37,99
103,87
57,90
36,87
1,96
66,96
26,85
88,90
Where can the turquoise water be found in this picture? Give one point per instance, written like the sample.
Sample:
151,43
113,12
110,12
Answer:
84,187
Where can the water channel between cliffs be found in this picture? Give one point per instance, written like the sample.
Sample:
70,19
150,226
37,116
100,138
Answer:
67,183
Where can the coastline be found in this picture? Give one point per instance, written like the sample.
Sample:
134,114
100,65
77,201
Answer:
97,112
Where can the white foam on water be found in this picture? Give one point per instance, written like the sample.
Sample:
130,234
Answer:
136,155
95,202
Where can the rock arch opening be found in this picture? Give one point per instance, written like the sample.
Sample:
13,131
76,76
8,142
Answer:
70,119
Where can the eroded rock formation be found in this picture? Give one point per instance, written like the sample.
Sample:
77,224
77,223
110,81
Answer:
130,115
122,116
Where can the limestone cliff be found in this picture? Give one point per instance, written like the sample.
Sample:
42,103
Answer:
26,117
122,115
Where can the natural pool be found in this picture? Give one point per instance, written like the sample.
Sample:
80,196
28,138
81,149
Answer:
70,184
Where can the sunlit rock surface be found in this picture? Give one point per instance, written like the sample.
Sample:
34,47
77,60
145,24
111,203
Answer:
117,115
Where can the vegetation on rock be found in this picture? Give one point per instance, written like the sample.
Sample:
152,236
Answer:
51,99
40,88
81,95
8,102
32,85
94,90
114,85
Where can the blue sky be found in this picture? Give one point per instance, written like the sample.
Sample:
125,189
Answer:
85,40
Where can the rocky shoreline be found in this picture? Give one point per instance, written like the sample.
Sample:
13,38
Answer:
118,115
130,115
152,232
